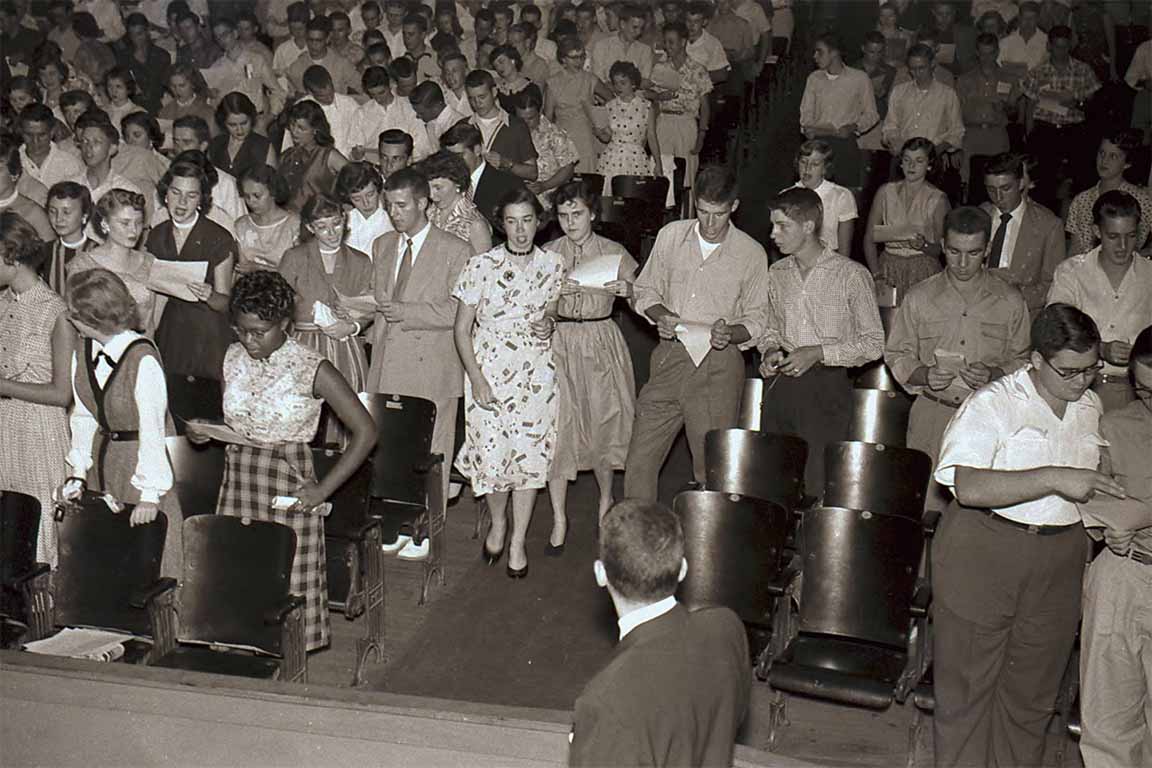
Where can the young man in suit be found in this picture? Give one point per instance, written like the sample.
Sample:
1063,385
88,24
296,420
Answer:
1027,238
414,353
678,686
489,184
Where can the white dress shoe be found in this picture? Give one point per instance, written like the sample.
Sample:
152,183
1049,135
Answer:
414,551
393,547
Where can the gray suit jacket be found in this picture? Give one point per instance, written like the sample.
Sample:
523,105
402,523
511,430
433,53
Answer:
1039,248
417,356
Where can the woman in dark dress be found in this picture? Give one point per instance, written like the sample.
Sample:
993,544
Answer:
238,147
309,168
193,336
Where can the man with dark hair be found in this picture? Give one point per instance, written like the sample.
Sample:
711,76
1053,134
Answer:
1112,284
489,185
1008,559
703,47
625,45
704,287
298,15
453,73
194,45
1115,676
430,107
191,132
41,158
678,687
923,107
414,353
1027,238
507,140
988,97
344,76
99,141
953,333
395,148
385,111
823,320
415,30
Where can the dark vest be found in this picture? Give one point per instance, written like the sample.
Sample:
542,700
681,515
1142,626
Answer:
117,441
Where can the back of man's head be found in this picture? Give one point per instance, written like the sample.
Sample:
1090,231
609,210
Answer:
642,549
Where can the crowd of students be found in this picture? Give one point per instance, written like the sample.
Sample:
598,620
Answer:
248,215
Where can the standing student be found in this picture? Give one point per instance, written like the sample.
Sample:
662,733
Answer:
416,267
1009,556
822,320
707,273
816,160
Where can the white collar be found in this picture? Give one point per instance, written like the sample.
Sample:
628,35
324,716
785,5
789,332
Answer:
116,345
417,239
476,174
635,618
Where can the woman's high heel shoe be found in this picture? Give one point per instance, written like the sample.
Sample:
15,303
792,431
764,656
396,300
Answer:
517,573
490,557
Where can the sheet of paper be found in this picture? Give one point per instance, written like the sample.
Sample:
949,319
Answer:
323,315
946,53
222,433
887,233
94,644
173,277
1052,106
696,338
594,273
949,361
1003,88
364,304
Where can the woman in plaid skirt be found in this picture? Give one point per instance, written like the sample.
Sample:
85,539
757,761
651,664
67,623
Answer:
274,388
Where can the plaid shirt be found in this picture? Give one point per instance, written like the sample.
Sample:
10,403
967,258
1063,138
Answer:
1078,79
834,307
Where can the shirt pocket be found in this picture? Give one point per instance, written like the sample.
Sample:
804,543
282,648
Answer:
994,339
1027,448
928,338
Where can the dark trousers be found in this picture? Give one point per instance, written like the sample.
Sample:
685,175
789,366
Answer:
680,395
1063,161
1006,603
817,407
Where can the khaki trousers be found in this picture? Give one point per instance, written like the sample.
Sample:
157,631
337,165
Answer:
1006,606
1116,664
926,424
680,395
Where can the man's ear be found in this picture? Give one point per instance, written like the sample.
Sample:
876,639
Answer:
601,574
735,205
683,570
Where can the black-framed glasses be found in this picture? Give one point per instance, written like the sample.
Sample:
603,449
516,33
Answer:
1068,374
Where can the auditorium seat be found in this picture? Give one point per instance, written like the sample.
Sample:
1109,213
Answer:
877,478
23,581
762,465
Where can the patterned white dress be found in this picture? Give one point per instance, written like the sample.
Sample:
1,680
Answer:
33,438
510,448
625,154
271,402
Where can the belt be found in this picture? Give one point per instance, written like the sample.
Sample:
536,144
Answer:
107,438
582,319
121,436
942,401
1039,530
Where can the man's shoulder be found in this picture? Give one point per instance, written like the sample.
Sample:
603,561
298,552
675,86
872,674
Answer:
1073,265
1040,214
446,241
925,291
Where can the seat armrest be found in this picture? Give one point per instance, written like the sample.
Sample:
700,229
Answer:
930,521
430,461
921,600
277,615
36,570
143,597
779,586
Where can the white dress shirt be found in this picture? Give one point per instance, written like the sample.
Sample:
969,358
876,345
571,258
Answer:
709,52
1008,426
436,127
417,243
1011,234
476,174
342,114
633,619
371,120
362,232
57,166
1030,53
153,475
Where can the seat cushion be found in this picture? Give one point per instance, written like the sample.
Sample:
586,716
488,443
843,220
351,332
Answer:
837,669
200,659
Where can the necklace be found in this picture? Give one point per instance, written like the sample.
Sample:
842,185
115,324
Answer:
191,223
514,252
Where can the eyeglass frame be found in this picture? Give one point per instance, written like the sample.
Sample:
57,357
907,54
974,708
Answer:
1093,370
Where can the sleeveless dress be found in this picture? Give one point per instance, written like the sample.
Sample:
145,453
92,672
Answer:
264,245
901,265
625,154
306,173
34,438
271,402
511,448
595,384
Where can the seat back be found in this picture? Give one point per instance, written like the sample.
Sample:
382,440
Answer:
197,473
106,566
652,189
350,502
875,375
859,574
880,416
236,576
19,528
593,181
734,546
403,442
751,404
877,478
763,465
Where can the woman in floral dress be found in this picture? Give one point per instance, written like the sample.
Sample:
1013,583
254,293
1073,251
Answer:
35,380
570,98
556,153
681,86
504,323
451,210
274,388
631,124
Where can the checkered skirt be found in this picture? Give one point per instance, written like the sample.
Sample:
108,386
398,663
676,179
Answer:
255,476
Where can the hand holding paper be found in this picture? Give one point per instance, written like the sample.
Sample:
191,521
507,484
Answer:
221,433
597,272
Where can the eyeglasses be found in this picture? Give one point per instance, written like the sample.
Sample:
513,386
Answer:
1070,374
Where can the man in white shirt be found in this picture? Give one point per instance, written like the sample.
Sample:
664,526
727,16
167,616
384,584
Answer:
394,12
453,72
703,46
296,44
1112,284
39,155
244,70
753,13
99,141
384,111
343,74
428,104
339,108
1027,47
924,107
625,45
1008,559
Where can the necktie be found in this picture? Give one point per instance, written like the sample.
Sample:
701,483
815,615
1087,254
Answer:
102,355
997,253
404,271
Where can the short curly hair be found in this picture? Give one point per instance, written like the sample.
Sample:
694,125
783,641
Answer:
100,299
112,201
185,166
446,165
19,243
263,293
